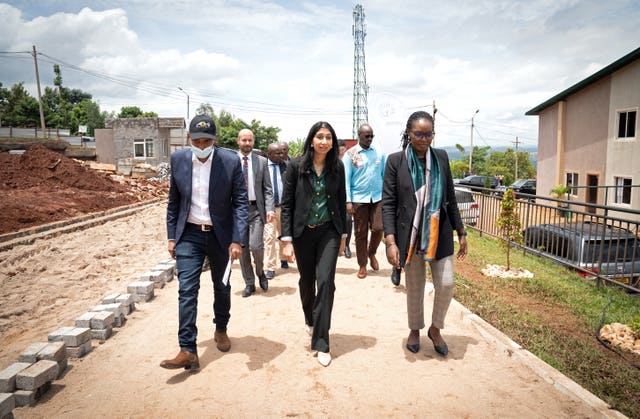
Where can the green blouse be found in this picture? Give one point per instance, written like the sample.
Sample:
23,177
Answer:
319,210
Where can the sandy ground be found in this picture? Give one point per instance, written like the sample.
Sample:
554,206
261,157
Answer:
270,371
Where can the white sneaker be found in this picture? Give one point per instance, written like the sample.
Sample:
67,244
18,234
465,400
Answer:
309,329
324,358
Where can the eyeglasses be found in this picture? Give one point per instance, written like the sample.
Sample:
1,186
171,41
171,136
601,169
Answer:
421,135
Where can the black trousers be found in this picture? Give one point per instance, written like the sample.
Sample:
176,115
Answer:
316,256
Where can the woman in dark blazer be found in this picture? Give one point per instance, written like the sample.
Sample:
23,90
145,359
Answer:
313,218
419,214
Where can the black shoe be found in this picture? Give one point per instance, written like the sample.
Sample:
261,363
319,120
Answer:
264,282
395,276
248,290
284,264
441,349
347,252
415,347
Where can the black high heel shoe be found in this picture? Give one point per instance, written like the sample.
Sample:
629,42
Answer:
413,347
441,349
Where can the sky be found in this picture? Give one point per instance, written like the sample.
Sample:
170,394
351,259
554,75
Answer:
290,63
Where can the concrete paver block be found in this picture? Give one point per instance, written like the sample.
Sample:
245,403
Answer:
115,308
30,353
125,299
102,320
119,320
140,287
143,298
79,351
109,299
101,334
85,319
53,351
37,375
8,376
7,404
71,336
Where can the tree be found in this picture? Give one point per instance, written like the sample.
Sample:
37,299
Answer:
478,160
19,108
296,147
509,223
503,163
87,113
130,112
228,127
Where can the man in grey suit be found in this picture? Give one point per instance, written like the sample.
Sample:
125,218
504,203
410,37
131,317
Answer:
261,210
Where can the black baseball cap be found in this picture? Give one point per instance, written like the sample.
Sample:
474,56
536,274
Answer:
202,126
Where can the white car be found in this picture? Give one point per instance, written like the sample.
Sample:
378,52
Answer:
467,205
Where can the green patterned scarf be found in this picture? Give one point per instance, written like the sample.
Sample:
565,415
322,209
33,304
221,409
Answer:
429,191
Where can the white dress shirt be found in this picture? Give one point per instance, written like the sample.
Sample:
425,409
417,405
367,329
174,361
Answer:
200,175
250,178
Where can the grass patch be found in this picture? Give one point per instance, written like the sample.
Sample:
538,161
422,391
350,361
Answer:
555,316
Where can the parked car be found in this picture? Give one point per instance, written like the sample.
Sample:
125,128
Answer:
478,181
581,245
520,186
467,206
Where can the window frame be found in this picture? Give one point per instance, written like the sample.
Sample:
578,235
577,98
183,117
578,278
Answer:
619,190
575,178
147,148
626,112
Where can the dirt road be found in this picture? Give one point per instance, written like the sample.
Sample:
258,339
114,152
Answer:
270,371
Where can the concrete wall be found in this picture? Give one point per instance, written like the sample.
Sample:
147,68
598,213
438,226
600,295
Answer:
105,149
126,130
587,127
547,150
623,156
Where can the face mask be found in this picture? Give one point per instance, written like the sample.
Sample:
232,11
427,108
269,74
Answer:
201,154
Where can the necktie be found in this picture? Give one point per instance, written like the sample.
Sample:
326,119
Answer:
276,192
245,171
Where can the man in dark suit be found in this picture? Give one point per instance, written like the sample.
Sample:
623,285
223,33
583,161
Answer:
261,210
206,217
272,230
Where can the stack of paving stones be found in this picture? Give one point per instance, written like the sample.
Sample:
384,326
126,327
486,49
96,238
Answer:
24,382
142,291
76,339
162,273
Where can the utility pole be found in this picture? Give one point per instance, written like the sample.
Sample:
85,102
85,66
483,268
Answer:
517,142
360,87
35,60
434,117
471,149
184,138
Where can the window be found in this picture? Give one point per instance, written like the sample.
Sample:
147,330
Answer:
143,148
627,124
623,190
572,180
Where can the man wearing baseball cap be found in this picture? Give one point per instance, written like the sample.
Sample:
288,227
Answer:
206,217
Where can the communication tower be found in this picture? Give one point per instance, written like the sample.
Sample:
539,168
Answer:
360,87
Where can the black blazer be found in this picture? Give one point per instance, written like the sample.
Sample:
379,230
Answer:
399,204
297,194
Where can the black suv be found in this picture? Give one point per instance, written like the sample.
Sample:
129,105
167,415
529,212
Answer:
581,245
477,181
520,186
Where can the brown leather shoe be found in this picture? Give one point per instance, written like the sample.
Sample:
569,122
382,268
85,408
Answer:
374,262
362,272
222,341
184,359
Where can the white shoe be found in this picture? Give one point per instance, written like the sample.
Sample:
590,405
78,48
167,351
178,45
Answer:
309,329
324,358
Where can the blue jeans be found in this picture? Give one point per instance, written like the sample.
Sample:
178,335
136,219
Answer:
193,247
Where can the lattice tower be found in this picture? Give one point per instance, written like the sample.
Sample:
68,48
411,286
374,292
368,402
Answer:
360,87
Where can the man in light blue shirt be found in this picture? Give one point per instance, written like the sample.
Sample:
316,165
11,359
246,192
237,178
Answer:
364,172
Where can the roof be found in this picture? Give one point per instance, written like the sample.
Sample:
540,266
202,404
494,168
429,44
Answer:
611,68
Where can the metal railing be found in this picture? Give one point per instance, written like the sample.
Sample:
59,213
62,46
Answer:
583,236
